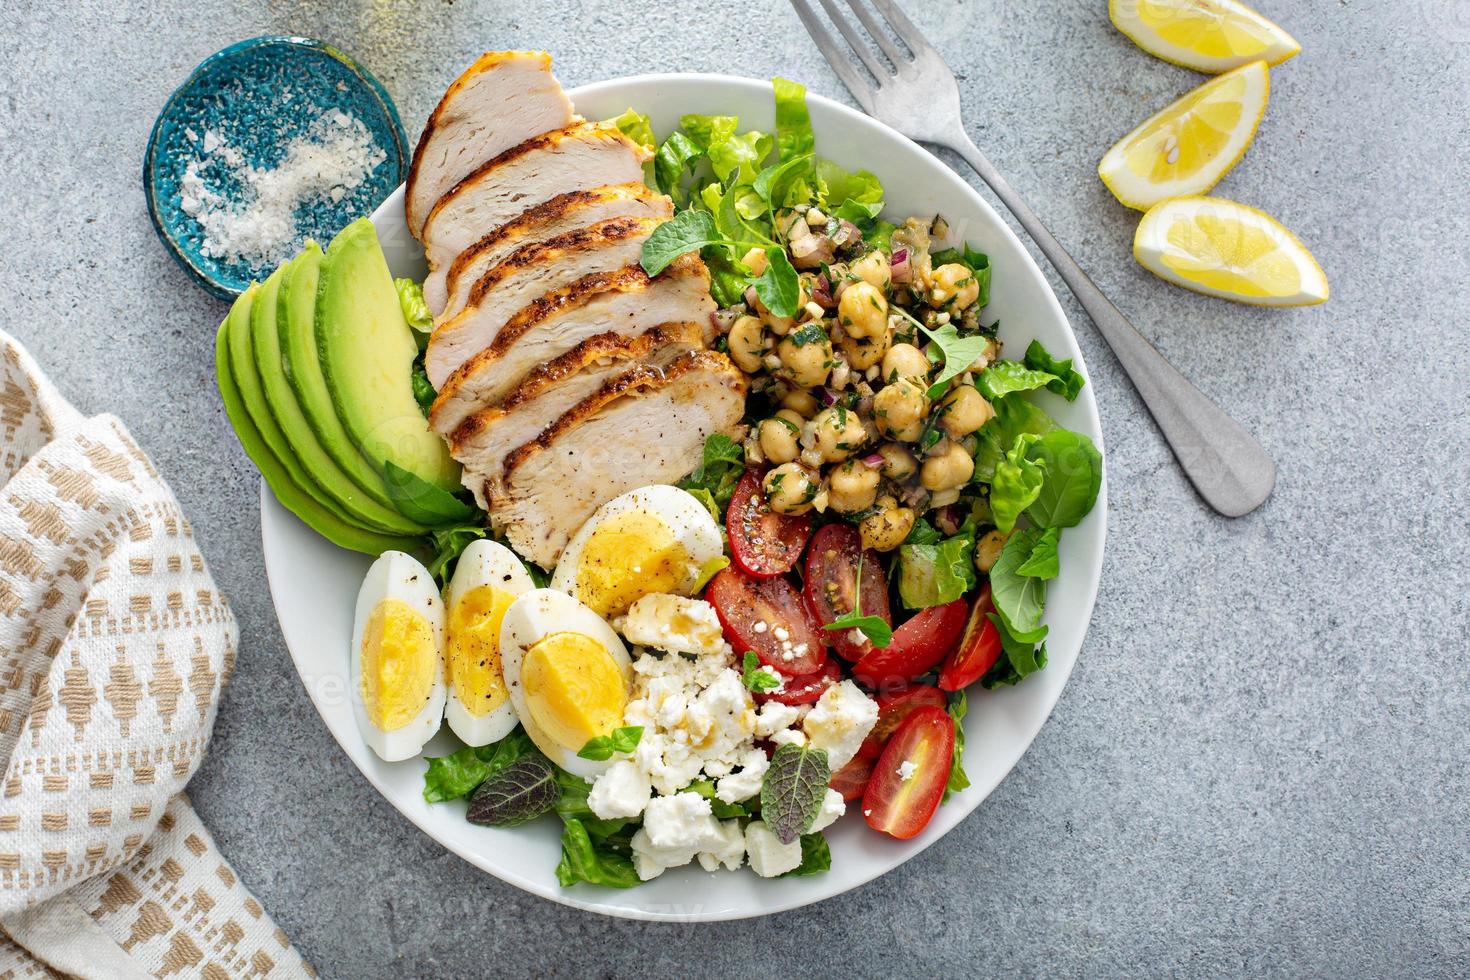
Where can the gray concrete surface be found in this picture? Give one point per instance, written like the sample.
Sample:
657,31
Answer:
1260,764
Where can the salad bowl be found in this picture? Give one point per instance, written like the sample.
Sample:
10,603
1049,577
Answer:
314,584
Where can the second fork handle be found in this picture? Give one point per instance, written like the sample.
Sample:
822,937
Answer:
1224,462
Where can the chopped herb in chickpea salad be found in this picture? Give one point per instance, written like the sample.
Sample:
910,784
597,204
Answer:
880,541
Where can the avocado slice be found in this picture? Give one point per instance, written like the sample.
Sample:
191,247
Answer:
287,491
367,352
252,396
265,342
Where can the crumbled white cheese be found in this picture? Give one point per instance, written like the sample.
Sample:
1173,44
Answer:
727,850
842,718
833,806
906,770
768,856
774,716
679,821
622,791
694,713
789,736
746,783
675,624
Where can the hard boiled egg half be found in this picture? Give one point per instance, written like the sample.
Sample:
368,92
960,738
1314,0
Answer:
569,675
397,671
487,580
655,539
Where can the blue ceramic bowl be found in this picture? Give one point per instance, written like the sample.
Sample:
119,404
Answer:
242,108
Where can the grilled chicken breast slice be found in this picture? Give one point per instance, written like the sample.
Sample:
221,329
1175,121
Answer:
627,302
647,426
502,100
447,289
526,276
578,157
554,389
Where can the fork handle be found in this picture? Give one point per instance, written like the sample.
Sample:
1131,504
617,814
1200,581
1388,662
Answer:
1224,462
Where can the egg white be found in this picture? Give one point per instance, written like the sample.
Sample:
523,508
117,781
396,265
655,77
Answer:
687,519
533,617
482,563
396,575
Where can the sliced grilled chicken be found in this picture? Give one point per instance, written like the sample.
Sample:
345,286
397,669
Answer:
528,274
647,426
554,389
576,158
447,288
502,100
626,302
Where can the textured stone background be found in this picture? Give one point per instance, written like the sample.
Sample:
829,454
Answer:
1260,764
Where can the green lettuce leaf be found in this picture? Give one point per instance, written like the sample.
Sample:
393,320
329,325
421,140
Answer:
957,708
794,135
720,468
670,162
1065,381
1014,415
452,776
1016,485
582,860
421,501
636,126
1019,598
977,262
415,310
706,131
1004,377
1073,468
737,160
934,570
1019,657
816,857
718,807
1043,562
836,187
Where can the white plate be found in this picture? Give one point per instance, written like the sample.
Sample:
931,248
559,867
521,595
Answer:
314,584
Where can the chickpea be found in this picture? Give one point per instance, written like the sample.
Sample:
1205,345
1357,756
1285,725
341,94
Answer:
947,470
755,260
873,269
953,284
838,433
791,488
802,403
888,528
899,410
807,364
778,436
987,549
851,487
898,463
862,353
905,361
863,310
747,344
965,411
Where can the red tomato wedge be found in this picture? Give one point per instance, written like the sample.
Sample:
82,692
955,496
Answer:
908,779
831,585
767,615
978,649
805,689
893,708
918,646
852,778
763,543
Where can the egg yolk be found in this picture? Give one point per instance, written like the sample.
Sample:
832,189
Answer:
628,557
474,649
574,689
398,664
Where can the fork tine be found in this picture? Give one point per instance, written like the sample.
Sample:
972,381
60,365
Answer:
877,33
856,41
905,29
832,51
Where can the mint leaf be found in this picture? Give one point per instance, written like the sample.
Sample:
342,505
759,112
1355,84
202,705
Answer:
816,857
755,678
793,790
778,287
1065,382
517,793
687,231
957,352
602,747
957,778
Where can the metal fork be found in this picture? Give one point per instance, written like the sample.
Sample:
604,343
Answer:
920,98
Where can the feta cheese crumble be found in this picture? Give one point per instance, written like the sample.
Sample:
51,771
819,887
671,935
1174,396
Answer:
906,770
842,718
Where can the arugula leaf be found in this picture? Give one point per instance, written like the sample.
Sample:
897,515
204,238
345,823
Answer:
778,287
755,678
1016,485
957,352
1004,377
1019,598
581,860
934,570
719,469
1013,416
602,747
669,162
455,775
687,231
875,628
957,778
816,857
636,126
1065,381
1043,562
793,790
419,500
1019,657
1073,478
793,123
717,806
977,262
515,794
706,131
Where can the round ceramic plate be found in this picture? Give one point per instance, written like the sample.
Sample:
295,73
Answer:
315,584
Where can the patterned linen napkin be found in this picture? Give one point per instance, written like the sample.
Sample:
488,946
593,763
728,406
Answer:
114,647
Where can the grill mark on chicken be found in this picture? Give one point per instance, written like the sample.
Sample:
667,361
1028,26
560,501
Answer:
612,230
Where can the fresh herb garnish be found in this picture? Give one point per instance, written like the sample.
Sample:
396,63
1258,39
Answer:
957,778
1066,381
756,677
957,352
718,807
452,776
448,544
720,468
875,628
793,790
419,500
515,794
603,747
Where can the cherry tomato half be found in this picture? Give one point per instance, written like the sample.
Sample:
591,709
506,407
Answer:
908,779
831,577
767,615
893,708
805,689
763,543
978,649
852,778
918,646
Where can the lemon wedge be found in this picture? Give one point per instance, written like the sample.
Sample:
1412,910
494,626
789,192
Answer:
1220,248
1187,147
1206,35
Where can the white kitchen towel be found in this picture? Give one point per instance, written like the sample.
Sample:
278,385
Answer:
114,647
